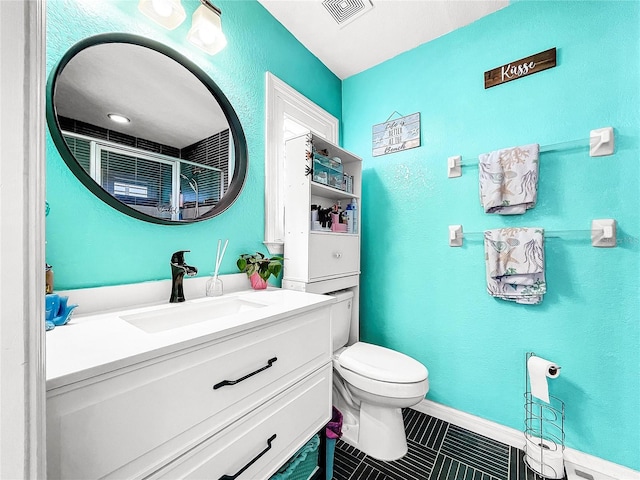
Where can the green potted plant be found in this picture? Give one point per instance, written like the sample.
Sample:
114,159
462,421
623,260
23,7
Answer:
259,268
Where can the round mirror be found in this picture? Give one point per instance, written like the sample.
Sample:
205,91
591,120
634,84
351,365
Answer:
146,130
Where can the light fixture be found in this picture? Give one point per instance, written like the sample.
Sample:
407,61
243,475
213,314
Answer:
168,13
206,28
116,117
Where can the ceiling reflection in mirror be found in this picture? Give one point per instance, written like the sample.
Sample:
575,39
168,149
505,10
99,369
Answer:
151,137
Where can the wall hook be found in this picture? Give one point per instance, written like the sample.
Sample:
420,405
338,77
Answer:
454,165
455,235
603,233
601,142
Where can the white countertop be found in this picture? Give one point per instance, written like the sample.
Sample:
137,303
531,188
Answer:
98,343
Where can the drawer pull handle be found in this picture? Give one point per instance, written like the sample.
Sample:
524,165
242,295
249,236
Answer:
337,255
224,383
255,459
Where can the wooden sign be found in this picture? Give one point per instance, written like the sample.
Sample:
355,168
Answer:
520,68
396,135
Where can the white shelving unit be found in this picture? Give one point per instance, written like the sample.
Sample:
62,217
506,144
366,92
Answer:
320,261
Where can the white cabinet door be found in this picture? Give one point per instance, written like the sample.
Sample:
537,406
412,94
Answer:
256,446
333,255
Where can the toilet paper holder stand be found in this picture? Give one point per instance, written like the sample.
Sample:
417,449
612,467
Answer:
543,432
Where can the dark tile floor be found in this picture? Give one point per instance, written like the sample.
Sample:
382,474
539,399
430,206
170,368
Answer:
437,451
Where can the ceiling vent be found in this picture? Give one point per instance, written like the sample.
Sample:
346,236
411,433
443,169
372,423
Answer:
346,11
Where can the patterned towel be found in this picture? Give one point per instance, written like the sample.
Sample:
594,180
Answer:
515,264
509,179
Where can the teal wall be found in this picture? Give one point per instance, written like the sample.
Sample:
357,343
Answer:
91,244
426,299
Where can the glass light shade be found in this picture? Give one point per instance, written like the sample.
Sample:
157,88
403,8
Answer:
168,13
206,31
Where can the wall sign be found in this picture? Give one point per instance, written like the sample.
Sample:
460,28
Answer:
396,135
520,68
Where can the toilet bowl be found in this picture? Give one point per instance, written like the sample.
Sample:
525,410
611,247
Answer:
371,385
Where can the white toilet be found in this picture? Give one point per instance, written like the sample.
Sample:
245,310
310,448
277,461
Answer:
371,385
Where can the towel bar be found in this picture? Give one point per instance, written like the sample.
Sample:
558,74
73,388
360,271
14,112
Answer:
603,233
601,143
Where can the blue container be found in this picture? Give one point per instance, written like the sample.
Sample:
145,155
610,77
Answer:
327,171
302,464
332,432
330,451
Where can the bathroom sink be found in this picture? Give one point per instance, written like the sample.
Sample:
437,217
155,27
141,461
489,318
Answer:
176,316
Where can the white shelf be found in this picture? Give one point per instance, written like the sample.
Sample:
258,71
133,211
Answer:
322,190
340,234
320,261
313,255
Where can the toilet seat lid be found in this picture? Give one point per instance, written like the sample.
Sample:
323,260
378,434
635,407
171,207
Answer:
380,363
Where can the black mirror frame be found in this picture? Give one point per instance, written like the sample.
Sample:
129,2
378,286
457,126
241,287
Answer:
239,140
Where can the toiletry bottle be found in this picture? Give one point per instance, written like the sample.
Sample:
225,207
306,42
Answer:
349,218
314,214
354,215
48,278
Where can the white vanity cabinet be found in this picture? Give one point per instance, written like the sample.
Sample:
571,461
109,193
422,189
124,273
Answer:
244,402
320,261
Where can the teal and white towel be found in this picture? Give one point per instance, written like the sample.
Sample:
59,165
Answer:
509,179
515,264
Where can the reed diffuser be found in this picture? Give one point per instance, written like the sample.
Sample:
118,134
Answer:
214,284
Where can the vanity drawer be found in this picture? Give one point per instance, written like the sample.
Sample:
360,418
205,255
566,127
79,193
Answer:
258,444
169,406
333,255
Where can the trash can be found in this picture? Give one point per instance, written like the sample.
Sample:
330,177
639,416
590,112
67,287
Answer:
302,464
333,432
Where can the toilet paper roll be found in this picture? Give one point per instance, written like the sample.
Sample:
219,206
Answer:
545,458
539,370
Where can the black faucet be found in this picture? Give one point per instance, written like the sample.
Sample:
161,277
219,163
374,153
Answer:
178,270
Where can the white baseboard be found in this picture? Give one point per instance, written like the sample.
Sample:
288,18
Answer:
507,435
589,467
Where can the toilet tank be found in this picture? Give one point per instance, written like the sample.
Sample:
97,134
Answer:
341,318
